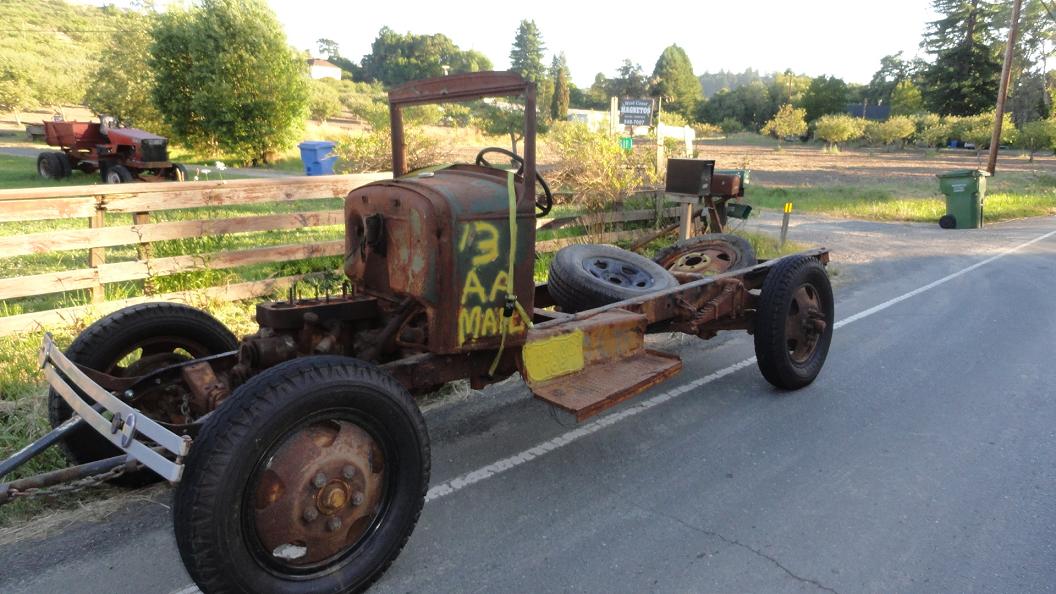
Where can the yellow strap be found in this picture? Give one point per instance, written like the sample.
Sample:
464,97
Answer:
511,194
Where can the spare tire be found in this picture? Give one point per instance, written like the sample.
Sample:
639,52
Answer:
712,253
590,275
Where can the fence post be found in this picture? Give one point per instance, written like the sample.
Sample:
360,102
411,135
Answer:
97,255
144,251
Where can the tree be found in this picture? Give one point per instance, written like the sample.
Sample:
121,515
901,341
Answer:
894,70
825,95
788,87
120,86
963,80
837,128
629,81
226,81
906,99
789,121
324,102
506,119
397,58
730,126
328,47
526,56
559,74
15,93
1037,136
674,81
750,105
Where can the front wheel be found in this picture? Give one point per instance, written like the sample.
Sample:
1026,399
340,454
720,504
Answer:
793,322
117,174
309,478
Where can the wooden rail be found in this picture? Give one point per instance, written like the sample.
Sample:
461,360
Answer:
141,200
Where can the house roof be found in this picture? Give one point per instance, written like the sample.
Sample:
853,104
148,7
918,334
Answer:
320,62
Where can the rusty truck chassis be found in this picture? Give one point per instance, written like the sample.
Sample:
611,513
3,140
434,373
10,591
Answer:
376,329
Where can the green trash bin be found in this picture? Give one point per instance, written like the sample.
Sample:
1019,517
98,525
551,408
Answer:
965,192
626,143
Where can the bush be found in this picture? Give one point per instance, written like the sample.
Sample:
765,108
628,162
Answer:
373,151
789,121
324,102
703,130
1038,136
594,167
837,128
894,129
931,130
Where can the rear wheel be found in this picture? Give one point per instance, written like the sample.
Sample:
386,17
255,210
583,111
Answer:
116,174
948,222
53,165
713,253
793,323
135,341
309,478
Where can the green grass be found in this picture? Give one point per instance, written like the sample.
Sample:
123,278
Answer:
1010,197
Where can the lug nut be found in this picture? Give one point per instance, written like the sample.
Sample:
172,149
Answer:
333,524
310,514
319,480
348,472
357,499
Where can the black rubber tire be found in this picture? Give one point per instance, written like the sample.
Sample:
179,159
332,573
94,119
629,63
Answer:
948,222
771,344
177,172
574,289
64,163
116,174
210,532
745,252
52,165
103,343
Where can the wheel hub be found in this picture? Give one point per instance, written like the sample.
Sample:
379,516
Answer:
805,323
713,259
619,273
319,494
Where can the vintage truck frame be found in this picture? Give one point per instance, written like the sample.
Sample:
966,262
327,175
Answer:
300,457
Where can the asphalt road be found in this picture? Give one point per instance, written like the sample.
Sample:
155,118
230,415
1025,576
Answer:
922,460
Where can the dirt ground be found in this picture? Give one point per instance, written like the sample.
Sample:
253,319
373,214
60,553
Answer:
799,165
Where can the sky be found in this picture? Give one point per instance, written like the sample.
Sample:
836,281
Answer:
843,38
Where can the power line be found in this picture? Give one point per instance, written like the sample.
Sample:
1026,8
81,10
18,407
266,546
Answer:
66,30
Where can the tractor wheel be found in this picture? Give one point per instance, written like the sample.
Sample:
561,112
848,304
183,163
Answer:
52,165
177,172
116,174
309,478
134,341
793,323
713,253
591,275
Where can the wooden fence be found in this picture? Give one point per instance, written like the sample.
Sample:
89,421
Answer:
93,203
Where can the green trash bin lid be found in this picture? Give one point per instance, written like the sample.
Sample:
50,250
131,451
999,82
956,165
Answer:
963,173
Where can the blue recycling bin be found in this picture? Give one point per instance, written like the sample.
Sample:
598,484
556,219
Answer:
315,154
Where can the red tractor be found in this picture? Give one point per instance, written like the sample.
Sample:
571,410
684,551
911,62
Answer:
121,155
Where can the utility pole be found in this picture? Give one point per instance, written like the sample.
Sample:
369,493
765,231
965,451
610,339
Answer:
1002,93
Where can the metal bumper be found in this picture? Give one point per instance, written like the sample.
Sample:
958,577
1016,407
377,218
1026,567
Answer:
127,428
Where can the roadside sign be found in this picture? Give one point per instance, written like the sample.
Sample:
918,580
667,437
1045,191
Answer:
636,112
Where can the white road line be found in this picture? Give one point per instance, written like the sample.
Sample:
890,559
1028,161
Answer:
485,472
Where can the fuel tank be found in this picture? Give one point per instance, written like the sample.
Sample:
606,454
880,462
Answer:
442,238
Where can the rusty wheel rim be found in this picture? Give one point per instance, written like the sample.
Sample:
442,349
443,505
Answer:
702,259
805,323
318,494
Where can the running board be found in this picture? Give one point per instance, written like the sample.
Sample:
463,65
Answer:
587,365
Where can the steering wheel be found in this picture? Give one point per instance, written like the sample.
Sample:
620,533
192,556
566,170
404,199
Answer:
543,203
